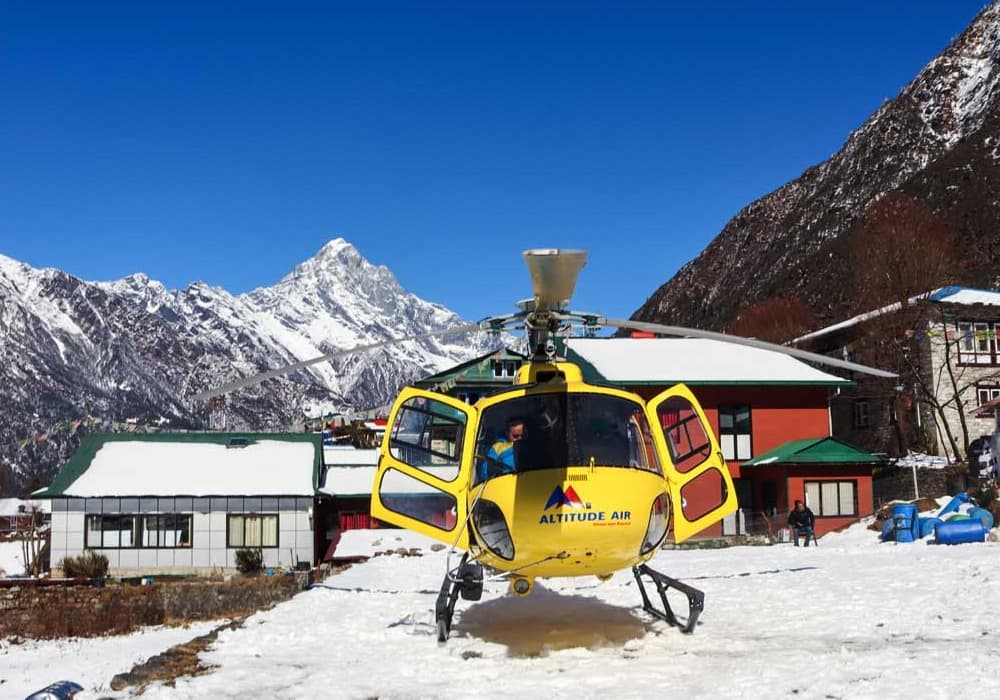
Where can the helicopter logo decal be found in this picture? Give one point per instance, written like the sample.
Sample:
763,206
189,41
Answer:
568,497
560,497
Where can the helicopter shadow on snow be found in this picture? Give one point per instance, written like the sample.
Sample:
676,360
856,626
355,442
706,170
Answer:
547,621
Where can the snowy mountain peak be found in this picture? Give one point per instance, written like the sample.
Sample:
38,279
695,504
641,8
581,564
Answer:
70,348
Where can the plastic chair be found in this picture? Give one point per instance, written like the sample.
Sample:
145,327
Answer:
809,534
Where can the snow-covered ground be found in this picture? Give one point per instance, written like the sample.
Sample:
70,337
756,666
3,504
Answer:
11,559
851,618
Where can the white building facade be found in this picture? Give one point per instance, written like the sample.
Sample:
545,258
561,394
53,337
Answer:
183,503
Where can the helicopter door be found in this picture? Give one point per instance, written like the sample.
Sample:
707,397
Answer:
701,488
423,471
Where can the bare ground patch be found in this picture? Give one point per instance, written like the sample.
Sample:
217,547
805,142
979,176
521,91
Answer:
178,661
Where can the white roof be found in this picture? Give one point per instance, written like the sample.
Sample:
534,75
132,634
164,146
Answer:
349,456
11,506
350,471
358,481
349,481
965,295
262,468
694,361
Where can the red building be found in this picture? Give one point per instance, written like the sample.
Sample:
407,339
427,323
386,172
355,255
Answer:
761,405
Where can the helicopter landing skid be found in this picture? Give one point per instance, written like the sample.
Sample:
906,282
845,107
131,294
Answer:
696,599
465,580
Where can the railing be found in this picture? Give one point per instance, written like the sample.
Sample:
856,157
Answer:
758,523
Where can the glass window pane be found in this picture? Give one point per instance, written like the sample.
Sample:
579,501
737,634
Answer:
94,531
743,419
413,498
812,496
703,494
689,444
269,531
236,530
846,498
965,333
428,433
252,531
982,338
742,447
728,445
829,498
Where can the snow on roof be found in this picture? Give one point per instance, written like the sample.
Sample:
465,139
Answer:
11,506
349,456
350,471
966,295
947,295
262,468
358,481
694,361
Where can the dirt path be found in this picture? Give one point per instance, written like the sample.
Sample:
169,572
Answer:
178,661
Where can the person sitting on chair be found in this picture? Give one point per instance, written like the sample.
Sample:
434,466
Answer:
801,521
500,457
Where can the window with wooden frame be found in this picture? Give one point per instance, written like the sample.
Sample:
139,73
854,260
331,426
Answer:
166,530
252,530
862,413
832,499
977,342
136,531
734,432
111,531
986,392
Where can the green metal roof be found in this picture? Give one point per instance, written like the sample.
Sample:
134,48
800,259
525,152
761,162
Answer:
825,450
478,369
89,446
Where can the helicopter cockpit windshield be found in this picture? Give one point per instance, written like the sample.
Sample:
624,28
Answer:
559,430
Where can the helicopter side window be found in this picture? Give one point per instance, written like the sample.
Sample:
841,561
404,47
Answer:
642,452
413,498
687,440
428,434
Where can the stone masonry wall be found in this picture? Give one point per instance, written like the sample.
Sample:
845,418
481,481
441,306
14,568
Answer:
51,609
896,483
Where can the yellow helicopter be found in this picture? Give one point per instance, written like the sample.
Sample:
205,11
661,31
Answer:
554,476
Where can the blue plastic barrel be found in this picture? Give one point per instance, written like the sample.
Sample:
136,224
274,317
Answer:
887,530
984,515
954,503
927,526
905,517
961,531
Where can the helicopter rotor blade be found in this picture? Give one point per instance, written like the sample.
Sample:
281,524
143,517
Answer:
683,332
271,374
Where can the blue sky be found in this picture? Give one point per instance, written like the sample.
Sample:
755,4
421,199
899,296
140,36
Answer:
228,142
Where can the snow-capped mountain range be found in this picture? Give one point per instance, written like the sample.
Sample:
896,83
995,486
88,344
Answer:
133,350
937,143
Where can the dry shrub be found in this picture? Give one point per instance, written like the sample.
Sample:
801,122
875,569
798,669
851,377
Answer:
89,565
